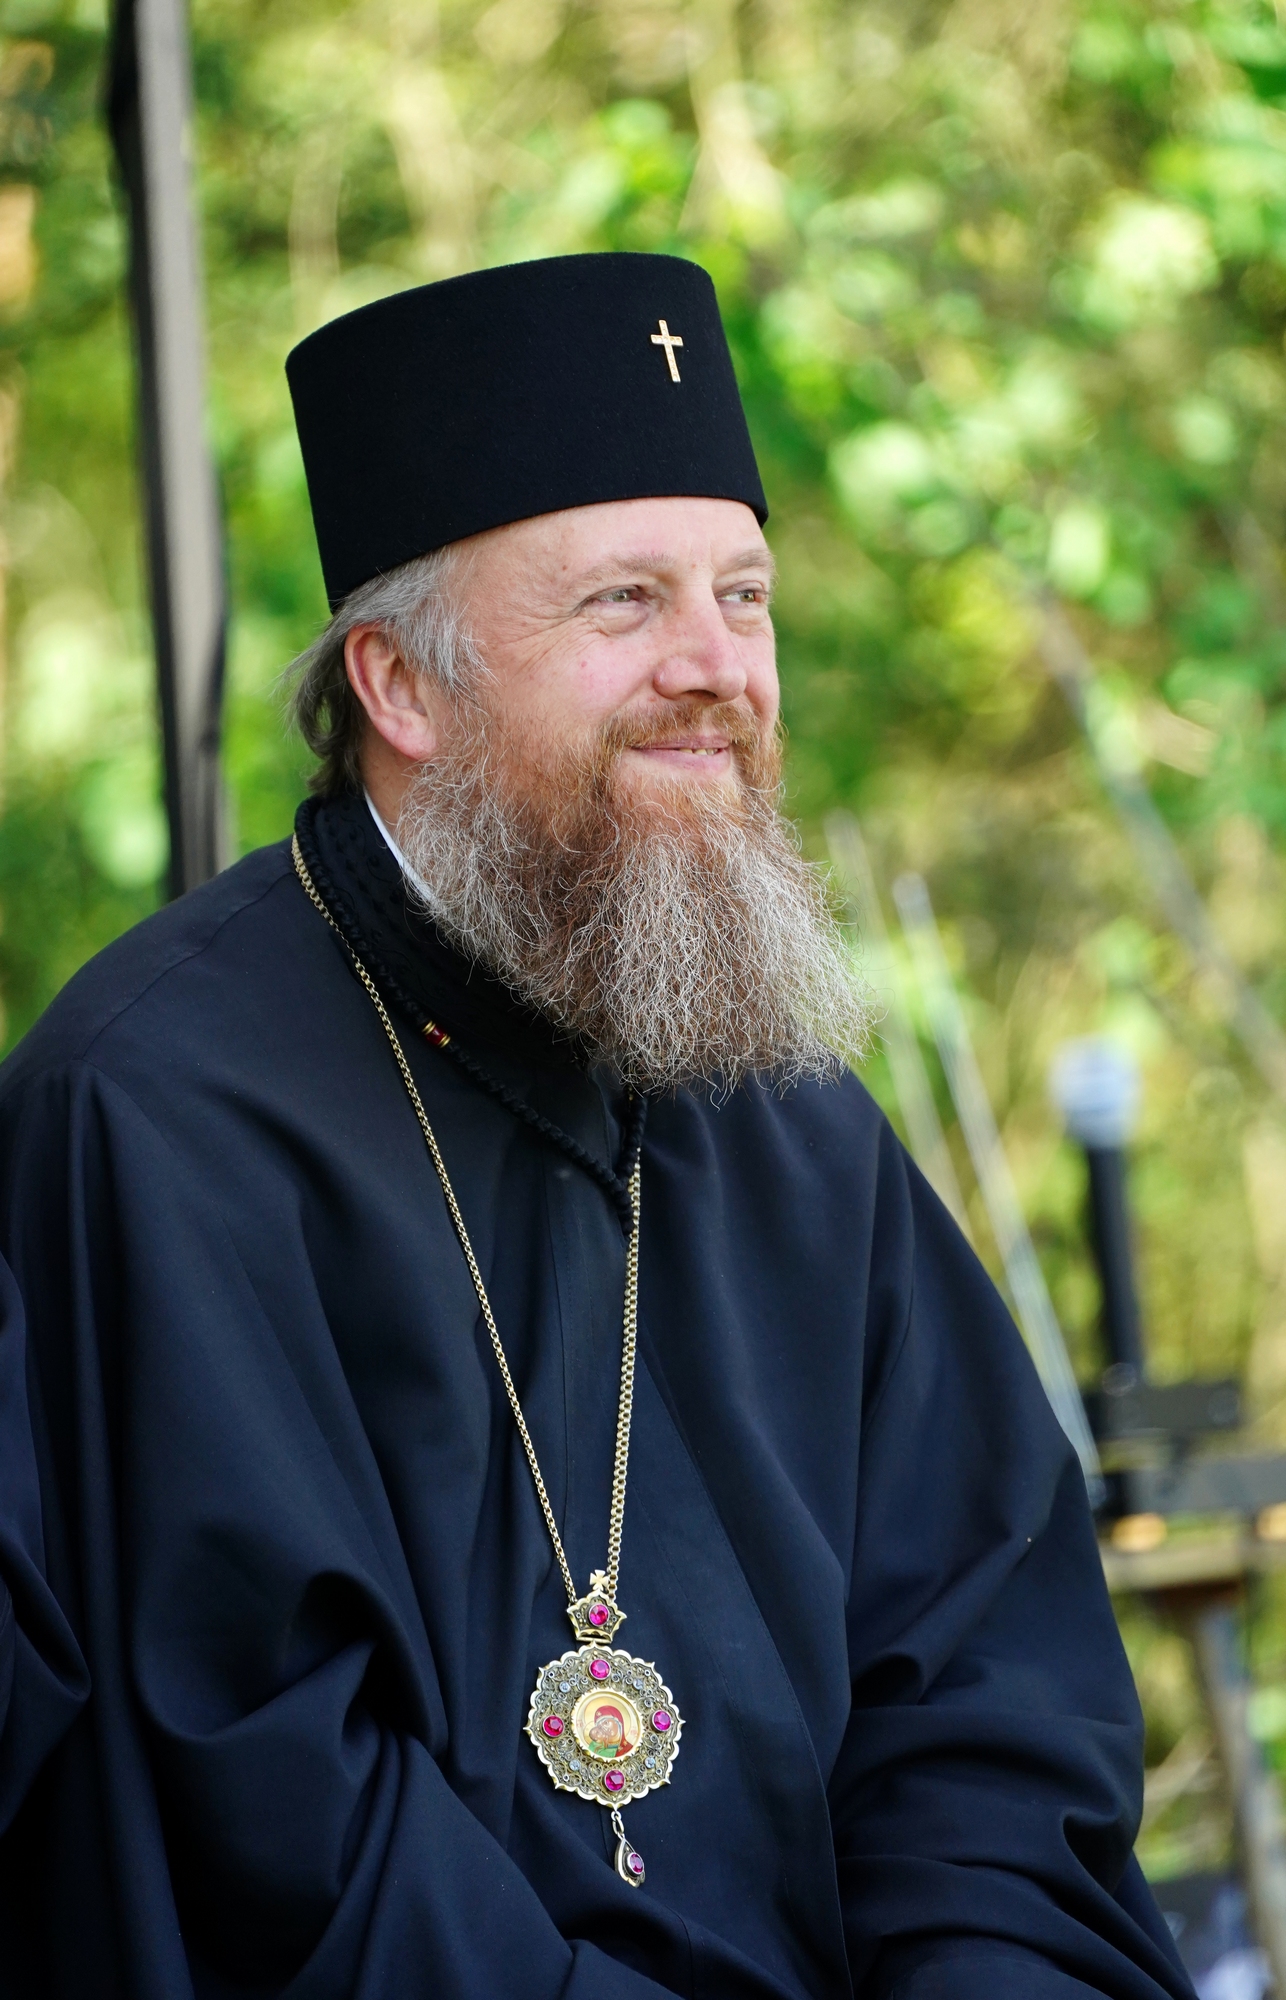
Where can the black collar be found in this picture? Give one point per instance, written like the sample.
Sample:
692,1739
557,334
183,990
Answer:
493,1037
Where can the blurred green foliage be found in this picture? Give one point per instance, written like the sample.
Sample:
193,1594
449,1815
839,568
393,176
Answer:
1006,287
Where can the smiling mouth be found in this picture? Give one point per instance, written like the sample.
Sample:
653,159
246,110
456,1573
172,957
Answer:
682,749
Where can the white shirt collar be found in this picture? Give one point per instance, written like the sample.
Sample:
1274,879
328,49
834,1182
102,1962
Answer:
417,882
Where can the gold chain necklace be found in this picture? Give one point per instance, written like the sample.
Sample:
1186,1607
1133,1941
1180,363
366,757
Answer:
603,1724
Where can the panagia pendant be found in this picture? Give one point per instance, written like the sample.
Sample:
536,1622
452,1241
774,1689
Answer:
604,1724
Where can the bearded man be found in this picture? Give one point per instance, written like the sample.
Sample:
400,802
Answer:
464,1219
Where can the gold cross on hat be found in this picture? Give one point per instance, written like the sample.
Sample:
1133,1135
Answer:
669,341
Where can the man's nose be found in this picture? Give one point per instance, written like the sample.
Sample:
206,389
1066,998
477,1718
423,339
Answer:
699,654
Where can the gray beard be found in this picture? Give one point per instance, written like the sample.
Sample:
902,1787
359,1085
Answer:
680,938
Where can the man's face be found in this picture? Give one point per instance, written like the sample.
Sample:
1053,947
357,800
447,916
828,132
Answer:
653,611
647,615
595,816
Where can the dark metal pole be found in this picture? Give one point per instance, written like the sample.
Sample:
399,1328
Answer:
150,115
1110,1234
1096,1087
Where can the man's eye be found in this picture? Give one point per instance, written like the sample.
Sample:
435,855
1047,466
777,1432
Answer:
624,595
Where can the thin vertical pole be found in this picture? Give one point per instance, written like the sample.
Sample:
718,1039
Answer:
924,1131
1213,1627
1023,1274
150,114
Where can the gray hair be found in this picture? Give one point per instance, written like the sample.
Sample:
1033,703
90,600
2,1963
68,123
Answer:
416,611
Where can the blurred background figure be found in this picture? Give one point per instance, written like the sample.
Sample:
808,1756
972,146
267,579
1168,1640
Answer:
1006,288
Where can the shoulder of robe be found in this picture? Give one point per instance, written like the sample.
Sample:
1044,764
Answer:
837,1110
831,1131
151,968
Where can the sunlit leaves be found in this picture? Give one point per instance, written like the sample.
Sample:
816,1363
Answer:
1006,291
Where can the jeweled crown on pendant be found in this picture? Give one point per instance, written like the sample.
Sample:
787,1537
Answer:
595,1615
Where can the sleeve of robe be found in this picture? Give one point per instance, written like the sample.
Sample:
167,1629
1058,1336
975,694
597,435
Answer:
42,1676
988,1791
264,1721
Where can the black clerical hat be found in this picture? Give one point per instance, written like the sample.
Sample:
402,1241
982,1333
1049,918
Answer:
459,406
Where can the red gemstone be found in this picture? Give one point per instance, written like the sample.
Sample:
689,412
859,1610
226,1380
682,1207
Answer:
553,1725
635,1864
662,1719
600,1669
613,1781
598,1614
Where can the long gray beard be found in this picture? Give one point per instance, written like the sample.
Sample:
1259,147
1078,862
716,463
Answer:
682,940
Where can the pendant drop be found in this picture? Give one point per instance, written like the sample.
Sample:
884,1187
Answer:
629,1862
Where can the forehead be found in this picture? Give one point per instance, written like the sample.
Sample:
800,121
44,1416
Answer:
678,533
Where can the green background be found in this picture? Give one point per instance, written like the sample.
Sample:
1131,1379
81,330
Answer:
1006,288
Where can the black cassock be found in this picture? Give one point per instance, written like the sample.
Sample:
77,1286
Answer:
287,1513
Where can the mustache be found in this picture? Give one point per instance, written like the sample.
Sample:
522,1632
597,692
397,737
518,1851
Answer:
649,729
561,797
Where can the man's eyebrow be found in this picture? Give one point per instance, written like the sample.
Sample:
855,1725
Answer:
649,562
758,557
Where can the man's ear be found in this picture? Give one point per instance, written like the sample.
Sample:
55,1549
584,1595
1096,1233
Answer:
392,695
